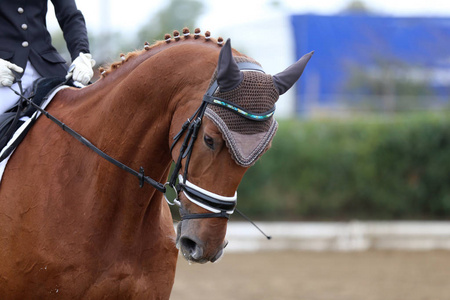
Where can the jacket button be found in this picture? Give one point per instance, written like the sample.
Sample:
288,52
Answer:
20,10
24,26
25,44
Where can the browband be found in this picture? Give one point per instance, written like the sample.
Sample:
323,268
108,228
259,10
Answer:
239,110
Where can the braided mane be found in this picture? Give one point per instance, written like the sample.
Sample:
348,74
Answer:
167,39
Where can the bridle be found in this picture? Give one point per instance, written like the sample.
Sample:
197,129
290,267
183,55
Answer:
218,206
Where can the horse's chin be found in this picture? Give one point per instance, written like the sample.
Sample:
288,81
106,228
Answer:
218,256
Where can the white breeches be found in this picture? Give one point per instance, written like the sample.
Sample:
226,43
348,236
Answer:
8,98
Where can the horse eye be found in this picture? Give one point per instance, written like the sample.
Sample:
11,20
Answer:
209,141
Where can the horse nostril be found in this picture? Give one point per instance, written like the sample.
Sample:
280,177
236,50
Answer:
188,244
190,249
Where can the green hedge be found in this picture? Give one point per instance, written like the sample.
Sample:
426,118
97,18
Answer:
369,168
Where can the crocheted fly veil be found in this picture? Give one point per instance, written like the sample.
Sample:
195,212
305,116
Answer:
246,138
243,104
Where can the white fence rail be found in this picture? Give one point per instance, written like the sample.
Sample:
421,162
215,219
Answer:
336,236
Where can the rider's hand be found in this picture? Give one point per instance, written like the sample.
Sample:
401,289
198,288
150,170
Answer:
83,68
6,75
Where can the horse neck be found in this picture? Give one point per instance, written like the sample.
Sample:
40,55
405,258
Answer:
139,106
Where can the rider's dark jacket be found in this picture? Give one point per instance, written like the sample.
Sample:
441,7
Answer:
24,35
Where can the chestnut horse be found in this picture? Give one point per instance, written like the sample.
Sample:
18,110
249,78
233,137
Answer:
74,226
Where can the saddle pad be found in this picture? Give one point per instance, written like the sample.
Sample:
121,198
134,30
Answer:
25,125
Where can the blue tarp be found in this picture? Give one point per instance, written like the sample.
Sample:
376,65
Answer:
345,42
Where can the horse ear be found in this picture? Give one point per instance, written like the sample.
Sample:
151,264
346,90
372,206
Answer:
286,79
228,74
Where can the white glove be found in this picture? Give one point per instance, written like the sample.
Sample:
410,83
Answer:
6,75
83,68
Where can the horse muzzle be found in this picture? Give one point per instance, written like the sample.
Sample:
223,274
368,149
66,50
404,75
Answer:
194,250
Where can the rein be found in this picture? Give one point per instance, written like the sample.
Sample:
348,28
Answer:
140,175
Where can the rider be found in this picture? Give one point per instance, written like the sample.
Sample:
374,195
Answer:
25,45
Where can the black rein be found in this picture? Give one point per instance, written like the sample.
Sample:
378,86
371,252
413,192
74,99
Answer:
140,175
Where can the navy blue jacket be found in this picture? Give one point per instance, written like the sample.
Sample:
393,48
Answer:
24,35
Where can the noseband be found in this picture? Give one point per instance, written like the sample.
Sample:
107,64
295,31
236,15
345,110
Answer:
217,205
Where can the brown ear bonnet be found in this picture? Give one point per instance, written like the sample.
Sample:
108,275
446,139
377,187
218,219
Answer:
248,97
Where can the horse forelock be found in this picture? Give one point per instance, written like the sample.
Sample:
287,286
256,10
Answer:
168,39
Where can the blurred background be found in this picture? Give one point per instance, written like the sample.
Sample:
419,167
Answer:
361,160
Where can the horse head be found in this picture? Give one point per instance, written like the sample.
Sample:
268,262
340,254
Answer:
233,127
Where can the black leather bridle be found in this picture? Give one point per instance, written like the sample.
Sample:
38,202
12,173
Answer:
219,206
